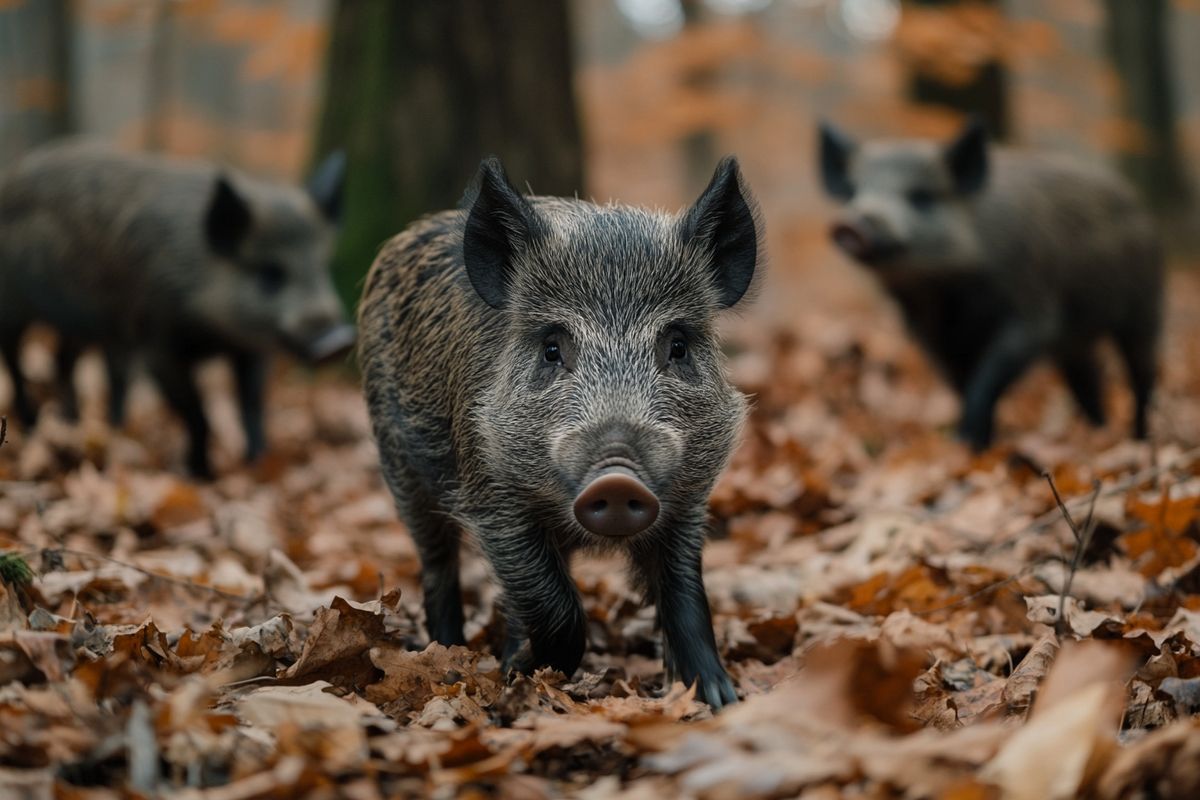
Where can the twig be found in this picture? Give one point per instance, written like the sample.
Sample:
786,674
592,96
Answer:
1083,539
991,587
3,430
182,582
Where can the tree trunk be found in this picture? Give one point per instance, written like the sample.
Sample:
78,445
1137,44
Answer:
417,93
985,95
35,71
1137,43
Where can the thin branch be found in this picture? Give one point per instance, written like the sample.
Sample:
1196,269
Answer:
182,582
1083,539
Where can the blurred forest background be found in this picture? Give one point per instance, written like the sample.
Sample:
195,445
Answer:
614,99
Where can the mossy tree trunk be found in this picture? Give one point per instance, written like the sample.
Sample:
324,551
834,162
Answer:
1136,38
418,92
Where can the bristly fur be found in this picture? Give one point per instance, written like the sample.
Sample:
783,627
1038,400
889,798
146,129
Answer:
477,433
166,259
1007,257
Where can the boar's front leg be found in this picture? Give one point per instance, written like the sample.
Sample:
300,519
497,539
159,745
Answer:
1008,355
250,371
671,573
540,600
174,377
10,347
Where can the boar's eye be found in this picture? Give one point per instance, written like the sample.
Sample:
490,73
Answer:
552,353
921,199
679,349
271,277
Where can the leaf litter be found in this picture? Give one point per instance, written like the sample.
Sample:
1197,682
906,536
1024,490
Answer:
901,618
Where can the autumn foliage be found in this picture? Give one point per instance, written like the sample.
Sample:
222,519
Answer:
888,604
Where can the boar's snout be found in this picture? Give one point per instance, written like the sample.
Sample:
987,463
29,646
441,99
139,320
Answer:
863,239
615,503
330,343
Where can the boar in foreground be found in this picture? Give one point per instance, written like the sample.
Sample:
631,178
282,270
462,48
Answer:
172,261
997,258
545,374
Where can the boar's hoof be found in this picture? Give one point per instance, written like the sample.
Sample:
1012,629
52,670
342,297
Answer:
616,504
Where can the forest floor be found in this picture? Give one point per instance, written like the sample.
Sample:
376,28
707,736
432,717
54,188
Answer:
888,605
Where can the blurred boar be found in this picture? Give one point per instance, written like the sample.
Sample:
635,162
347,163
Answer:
175,261
997,258
546,374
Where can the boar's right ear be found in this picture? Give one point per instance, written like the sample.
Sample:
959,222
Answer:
836,149
725,220
500,223
967,157
228,218
325,185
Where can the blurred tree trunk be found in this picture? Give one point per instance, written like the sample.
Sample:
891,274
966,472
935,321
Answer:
699,146
417,93
35,75
985,95
1136,37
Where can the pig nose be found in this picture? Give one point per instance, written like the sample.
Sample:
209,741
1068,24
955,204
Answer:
616,504
851,239
863,237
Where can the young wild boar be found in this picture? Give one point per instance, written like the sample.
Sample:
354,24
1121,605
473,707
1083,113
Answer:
998,258
174,261
545,374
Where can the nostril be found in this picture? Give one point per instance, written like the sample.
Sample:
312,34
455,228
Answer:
599,506
635,506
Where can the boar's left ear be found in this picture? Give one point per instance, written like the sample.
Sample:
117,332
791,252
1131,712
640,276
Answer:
227,220
725,220
834,152
967,157
325,185
500,224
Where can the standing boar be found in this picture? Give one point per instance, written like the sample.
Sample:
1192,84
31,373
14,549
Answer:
998,258
175,261
546,374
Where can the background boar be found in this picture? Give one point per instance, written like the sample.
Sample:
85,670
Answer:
546,374
997,258
175,261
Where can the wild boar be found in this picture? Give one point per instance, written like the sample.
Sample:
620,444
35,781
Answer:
546,375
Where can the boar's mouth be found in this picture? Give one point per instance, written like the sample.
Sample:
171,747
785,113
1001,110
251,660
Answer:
329,344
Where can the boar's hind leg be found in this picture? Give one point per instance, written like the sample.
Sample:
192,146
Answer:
1139,354
174,377
1007,356
1082,374
116,365
64,376
10,346
250,371
671,575
540,600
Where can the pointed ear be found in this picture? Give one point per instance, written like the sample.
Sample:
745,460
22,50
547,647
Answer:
725,220
835,152
325,185
967,158
500,223
228,218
